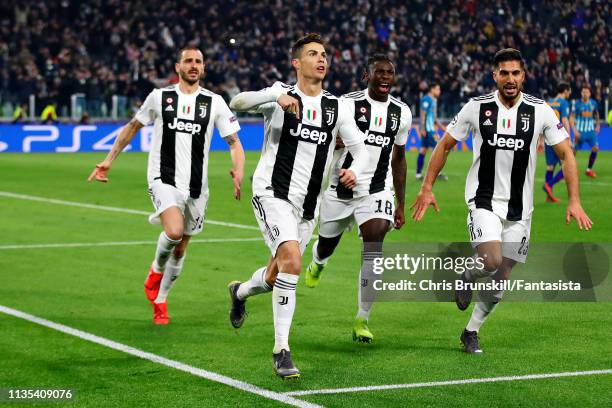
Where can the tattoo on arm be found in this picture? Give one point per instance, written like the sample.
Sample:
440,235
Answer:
231,139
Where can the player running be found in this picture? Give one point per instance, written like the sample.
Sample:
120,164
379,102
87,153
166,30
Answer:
428,126
560,106
184,116
386,122
586,113
301,124
499,185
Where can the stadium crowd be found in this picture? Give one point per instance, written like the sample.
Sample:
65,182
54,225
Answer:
100,48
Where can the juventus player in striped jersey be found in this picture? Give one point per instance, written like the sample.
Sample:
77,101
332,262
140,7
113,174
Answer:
301,124
386,121
184,116
499,185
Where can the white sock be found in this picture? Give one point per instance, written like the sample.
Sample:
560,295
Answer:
174,267
165,246
315,255
484,307
283,306
254,286
363,285
474,274
366,275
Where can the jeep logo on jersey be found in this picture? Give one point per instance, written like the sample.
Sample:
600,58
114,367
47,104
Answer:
310,134
185,126
506,142
377,139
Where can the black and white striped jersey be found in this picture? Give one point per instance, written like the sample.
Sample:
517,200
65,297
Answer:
501,178
384,124
296,154
183,127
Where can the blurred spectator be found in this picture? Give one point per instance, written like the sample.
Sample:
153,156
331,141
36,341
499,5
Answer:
49,114
20,113
55,48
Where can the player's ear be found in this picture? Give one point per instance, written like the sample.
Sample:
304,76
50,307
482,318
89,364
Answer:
366,76
295,63
176,67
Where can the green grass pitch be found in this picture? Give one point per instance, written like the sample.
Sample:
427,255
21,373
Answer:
99,290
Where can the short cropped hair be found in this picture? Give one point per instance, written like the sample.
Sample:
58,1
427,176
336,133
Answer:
507,54
377,58
296,48
563,87
179,55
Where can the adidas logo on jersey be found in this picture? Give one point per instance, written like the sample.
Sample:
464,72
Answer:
169,108
184,126
377,139
506,143
362,119
309,133
487,123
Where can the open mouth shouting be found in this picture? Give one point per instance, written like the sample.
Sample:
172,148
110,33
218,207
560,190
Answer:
384,87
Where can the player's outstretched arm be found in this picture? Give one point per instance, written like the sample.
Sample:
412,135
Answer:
250,100
398,168
425,198
570,171
237,154
100,172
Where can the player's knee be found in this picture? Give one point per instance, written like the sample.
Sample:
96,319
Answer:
595,149
326,246
376,235
492,262
375,230
291,264
175,233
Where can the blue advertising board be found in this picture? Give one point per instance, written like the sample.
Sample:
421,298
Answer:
35,138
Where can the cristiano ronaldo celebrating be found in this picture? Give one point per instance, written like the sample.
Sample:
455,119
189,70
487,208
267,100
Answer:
301,125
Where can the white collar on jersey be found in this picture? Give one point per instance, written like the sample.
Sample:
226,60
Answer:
502,106
374,101
178,91
303,95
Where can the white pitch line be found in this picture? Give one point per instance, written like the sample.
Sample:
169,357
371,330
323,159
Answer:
107,208
586,182
451,382
177,365
120,243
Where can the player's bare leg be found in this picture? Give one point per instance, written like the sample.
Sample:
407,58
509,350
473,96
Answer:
322,250
172,235
373,234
